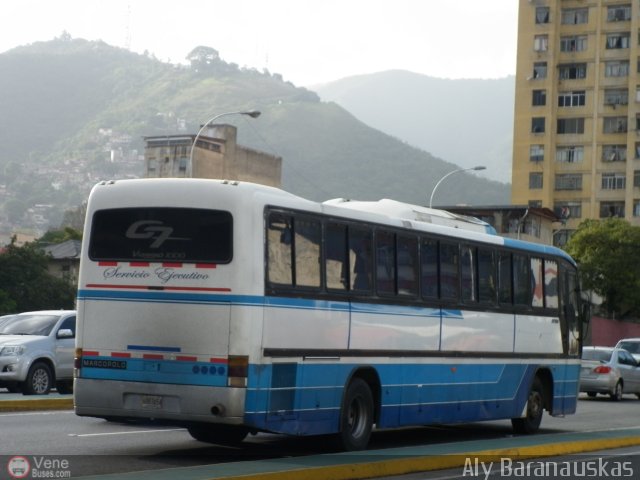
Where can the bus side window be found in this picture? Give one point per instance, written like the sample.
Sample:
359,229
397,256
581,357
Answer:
521,281
505,288
385,263
279,249
449,276
429,268
407,254
468,270
335,255
537,283
486,276
551,284
307,252
360,258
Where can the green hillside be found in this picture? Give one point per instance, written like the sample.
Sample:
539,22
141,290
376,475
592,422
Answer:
68,104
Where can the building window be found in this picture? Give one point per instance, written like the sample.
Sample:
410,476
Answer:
572,99
566,210
535,180
536,153
182,164
613,181
616,69
636,178
614,153
569,181
570,126
539,70
574,16
616,96
618,40
542,15
539,98
537,125
572,71
570,154
153,165
619,13
540,43
615,125
611,209
573,43
636,208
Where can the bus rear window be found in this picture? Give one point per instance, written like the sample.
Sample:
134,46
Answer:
162,234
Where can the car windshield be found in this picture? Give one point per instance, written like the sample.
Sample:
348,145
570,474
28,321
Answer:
29,325
631,347
598,355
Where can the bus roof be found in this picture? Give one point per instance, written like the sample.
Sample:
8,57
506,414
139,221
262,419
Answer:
384,211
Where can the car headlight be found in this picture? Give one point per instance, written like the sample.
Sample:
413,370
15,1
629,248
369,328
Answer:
11,350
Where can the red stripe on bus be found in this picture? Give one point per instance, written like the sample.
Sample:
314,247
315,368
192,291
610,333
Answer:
153,356
107,264
206,265
186,358
121,354
138,264
90,353
218,360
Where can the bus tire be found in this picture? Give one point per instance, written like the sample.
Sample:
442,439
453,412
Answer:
218,434
530,423
356,416
39,380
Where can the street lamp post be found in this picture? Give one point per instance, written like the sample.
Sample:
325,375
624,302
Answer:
249,113
480,167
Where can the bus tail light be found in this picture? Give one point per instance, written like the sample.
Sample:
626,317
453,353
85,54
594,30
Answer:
238,370
602,369
77,362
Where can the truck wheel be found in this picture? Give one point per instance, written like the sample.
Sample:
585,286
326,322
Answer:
39,380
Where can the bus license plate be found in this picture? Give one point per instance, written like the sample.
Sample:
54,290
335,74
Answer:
152,401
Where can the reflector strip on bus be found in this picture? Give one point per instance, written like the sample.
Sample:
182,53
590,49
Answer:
157,356
164,264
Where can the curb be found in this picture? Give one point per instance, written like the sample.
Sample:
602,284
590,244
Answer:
369,465
39,404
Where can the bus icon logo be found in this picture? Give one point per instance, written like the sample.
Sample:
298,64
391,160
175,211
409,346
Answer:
18,467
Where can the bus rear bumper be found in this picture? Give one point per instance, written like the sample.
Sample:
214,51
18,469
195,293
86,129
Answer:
172,403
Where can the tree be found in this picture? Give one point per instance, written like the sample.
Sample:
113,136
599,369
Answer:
25,283
609,259
59,236
203,58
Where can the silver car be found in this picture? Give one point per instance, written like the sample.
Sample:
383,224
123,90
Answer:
36,351
631,345
609,370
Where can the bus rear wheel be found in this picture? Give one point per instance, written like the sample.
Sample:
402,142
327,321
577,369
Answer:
356,416
218,434
530,423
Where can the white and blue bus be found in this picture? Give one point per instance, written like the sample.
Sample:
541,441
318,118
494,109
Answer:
234,308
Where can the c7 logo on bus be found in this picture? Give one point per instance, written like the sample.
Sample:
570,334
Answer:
154,229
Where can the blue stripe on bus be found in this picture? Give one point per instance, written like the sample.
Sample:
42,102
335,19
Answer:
410,394
537,248
152,348
157,371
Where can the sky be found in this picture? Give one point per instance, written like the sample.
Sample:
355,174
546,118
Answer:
308,42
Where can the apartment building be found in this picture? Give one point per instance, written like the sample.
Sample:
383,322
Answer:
577,110
215,155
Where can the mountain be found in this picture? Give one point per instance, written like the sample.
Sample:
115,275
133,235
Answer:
76,112
467,122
